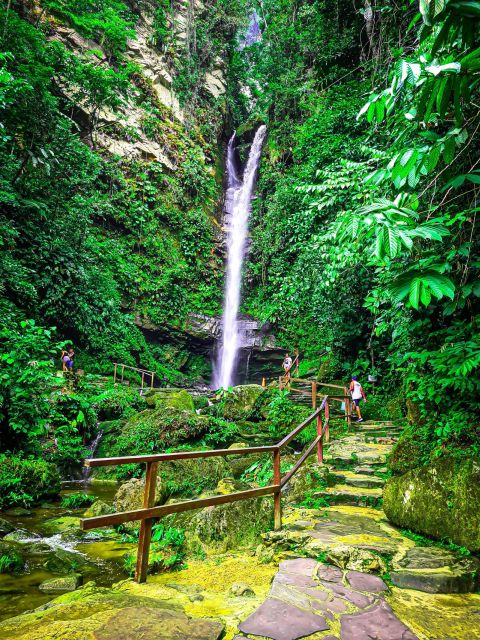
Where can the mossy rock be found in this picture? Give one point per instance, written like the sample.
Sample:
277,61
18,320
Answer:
61,585
172,398
406,454
240,400
179,479
226,526
64,562
441,500
310,477
67,526
108,614
151,430
98,508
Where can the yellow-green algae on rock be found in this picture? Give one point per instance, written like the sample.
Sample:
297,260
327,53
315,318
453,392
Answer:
438,616
214,578
81,614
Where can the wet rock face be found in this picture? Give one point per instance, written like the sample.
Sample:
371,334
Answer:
308,597
440,500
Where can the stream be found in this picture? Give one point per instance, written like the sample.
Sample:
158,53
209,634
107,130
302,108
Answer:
101,554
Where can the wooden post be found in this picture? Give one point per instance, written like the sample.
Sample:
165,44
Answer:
320,444
277,496
280,382
314,395
123,371
114,373
143,378
146,525
264,382
327,422
151,382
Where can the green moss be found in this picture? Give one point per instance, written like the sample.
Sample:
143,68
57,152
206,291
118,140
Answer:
407,453
441,500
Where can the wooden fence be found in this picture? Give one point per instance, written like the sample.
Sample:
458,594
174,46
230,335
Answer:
312,389
119,372
149,512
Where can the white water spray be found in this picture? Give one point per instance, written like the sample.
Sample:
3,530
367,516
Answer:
238,204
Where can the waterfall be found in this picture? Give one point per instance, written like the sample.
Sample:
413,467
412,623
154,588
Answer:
91,448
238,204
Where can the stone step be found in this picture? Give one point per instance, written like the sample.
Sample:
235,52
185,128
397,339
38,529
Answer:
370,471
354,479
348,495
436,570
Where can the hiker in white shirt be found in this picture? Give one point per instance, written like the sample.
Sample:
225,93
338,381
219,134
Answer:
358,393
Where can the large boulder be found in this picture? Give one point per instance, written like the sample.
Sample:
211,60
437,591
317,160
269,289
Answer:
179,479
129,496
240,400
311,476
440,500
226,526
174,398
152,430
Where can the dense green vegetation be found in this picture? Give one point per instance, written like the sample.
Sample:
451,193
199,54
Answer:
364,237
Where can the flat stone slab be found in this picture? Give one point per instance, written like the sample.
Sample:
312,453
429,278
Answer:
282,621
300,566
436,570
378,623
293,611
366,582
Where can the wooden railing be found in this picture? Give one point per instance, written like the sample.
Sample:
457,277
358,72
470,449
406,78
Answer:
119,372
150,512
311,389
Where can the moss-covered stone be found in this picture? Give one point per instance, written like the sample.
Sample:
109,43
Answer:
63,584
108,614
173,398
98,508
226,526
240,401
406,453
441,500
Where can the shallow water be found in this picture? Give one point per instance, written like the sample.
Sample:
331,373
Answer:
19,593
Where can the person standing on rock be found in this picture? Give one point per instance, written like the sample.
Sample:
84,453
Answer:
358,393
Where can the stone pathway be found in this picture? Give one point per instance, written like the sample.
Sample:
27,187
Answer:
307,597
341,600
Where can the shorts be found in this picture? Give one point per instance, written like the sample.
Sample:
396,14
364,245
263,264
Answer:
356,401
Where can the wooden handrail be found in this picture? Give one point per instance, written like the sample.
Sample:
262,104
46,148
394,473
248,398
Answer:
149,512
136,369
177,455
177,507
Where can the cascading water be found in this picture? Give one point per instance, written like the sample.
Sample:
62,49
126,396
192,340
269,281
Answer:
238,204
91,448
